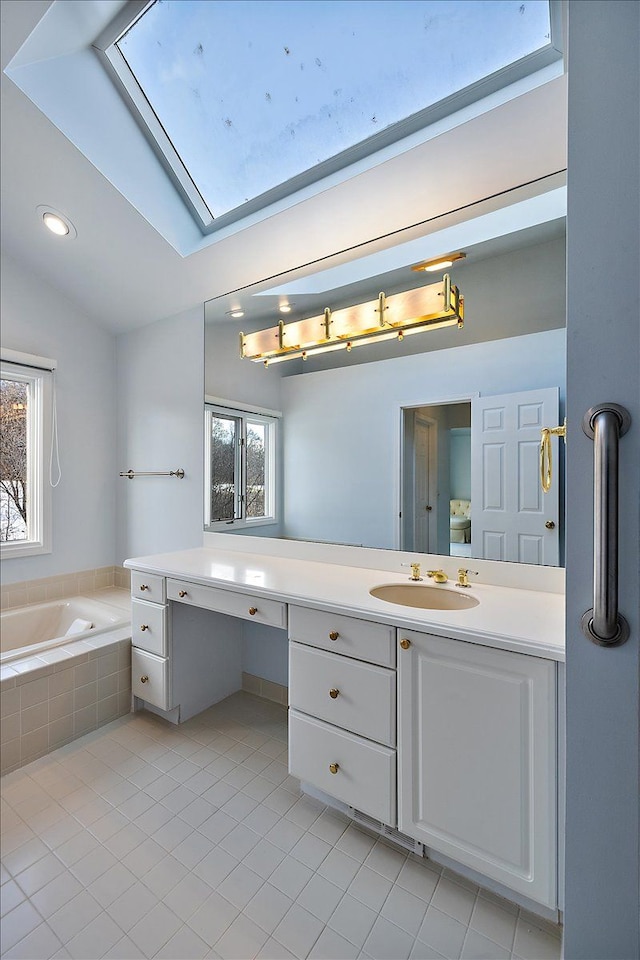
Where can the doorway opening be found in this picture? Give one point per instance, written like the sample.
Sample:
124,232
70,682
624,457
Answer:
435,515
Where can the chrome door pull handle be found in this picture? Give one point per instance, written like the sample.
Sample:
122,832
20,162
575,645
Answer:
603,624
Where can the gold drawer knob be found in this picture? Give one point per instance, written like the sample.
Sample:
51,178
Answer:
144,626
253,611
334,767
334,635
405,644
182,593
144,679
143,586
333,693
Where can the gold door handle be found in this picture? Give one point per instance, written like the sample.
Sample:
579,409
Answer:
405,644
144,679
333,693
143,586
144,626
334,635
253,611
334,767
182,593
550,525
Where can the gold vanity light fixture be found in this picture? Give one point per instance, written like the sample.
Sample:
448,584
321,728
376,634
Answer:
442,263
387,318
546,457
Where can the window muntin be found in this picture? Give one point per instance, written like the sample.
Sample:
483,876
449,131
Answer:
25,522
240,465
253,100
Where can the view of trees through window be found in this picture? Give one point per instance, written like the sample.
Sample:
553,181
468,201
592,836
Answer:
237,468
13,460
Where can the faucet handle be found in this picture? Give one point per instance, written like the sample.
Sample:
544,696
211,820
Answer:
415,570
463,577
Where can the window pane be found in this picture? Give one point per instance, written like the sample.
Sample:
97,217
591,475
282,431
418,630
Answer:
251,93
256,469
223,468
14,398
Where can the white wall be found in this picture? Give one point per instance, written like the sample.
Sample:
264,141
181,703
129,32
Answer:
38,319
603,696
342,428
160,427
228,376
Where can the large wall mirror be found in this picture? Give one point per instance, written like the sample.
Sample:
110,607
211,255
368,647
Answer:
429,444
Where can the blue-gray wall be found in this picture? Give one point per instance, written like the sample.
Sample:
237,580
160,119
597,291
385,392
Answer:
603,246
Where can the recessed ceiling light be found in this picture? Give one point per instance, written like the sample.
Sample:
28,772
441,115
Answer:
56,222
431,266
285,307
236,313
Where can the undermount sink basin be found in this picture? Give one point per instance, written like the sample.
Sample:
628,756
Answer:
424,596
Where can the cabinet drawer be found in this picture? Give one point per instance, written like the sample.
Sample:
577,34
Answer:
243,605
365,775
150,678
373,642
147,586
356,696
149,627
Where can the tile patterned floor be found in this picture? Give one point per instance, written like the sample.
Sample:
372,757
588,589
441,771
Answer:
146,840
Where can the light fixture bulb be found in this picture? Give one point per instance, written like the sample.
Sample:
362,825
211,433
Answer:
442,263
439,265
285,308
56,224
236,314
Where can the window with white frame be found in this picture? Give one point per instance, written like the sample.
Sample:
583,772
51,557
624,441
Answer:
25,493
240,466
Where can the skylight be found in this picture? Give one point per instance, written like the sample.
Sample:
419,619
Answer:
247,101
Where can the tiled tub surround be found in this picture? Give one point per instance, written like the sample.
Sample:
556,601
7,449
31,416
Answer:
143,839
59,694
65,585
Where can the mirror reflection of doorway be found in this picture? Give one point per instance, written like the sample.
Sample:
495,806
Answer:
436,472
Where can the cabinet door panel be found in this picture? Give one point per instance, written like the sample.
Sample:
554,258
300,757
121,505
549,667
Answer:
477,759
150,678
353,695
362,639
365,772
149,627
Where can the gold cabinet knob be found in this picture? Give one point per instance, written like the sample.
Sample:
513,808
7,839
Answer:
253,611
144,626
182,593
334,767
405,644
143,586
333,693
334,635
144,679
550,525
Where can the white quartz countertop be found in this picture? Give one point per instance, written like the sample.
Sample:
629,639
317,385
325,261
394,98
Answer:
525,621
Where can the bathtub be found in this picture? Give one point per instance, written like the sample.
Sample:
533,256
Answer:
28,631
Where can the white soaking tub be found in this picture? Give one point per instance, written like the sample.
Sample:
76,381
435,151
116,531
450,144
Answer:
28,631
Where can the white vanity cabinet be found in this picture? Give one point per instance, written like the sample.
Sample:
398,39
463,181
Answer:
342,717
150,664
477,759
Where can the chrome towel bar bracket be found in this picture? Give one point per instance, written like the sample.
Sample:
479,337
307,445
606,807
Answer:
603,624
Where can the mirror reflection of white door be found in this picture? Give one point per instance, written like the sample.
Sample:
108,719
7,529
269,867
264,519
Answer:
511,517
425,513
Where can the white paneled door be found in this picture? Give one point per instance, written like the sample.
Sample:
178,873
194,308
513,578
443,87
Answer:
511,517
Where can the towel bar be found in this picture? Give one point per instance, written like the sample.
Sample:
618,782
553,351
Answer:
131,474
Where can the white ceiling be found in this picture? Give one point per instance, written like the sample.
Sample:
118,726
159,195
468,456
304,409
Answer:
123,274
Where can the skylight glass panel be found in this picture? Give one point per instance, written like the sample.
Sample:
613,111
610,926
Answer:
252,94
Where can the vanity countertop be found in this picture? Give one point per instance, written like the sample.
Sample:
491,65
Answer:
524,621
